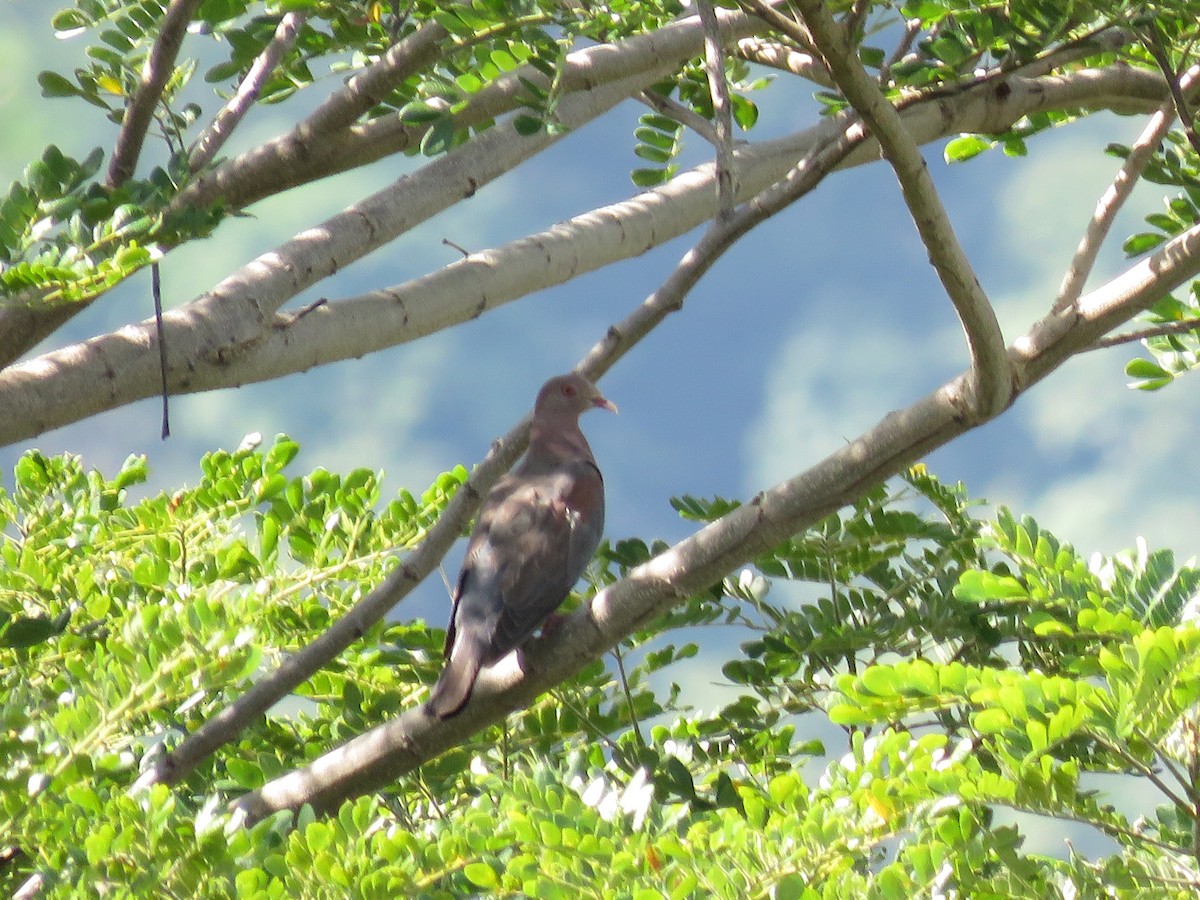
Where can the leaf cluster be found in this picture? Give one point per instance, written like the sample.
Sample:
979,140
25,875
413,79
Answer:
973,665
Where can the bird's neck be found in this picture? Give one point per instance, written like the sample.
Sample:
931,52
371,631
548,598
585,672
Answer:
559,438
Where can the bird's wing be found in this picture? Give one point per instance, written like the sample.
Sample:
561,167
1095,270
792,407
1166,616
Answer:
538,542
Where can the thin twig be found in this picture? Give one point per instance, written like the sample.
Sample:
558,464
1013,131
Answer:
1142,769
688,118
1084,259
714,66
157,70
991,386
232,113
1152,41
911,29
856,19
633,719
1187,782
1115,340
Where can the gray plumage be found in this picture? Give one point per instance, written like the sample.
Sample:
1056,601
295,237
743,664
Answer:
536,532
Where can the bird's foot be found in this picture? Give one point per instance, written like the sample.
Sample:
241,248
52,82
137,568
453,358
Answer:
551,624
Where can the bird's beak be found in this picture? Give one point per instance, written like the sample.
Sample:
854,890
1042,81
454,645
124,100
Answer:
603,402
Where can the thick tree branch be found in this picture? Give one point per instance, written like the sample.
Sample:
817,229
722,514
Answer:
991,387
395,748
232,113
208,353
158,68
1111,201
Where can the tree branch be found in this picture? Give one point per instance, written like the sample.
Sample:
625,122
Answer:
209,352
302,155
784,58
1183,326
311,150
395,748
718,88
1111,201
158,68
1153,44
991,387
618,341
680,113
232,113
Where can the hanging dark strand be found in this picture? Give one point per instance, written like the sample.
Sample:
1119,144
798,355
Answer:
162,348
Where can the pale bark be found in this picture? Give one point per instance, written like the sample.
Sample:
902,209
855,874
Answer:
331,140
213,138
234,334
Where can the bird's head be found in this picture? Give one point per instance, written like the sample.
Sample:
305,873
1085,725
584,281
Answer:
569,395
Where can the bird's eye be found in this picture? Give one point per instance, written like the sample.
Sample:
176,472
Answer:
568,390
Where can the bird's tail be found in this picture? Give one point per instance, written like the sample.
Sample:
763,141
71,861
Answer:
453,689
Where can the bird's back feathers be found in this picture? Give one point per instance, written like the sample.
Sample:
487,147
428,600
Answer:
535,534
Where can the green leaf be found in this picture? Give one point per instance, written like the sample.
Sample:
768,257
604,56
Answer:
26,631
55,85
1140,243
527,125
481,875
976,586
651,177
965,147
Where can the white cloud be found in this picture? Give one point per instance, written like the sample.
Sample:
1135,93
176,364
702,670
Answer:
1100,471
823,390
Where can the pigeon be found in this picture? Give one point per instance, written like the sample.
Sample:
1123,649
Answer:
536,532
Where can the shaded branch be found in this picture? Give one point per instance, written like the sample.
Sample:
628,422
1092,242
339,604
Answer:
155,73
718,88
1153,44
218,131
395,748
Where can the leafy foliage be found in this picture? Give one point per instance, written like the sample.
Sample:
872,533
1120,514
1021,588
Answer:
973,665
